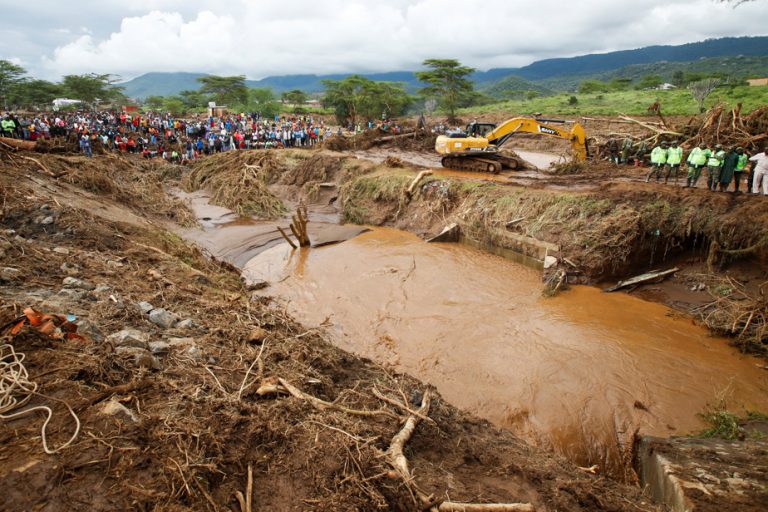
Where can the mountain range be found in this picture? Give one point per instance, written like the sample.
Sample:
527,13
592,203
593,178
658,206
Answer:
742,55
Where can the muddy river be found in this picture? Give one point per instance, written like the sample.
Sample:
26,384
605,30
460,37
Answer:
577,373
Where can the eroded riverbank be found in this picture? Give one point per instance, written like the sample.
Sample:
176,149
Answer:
578,373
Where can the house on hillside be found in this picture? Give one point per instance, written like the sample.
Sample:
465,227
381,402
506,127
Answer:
755,82
666,87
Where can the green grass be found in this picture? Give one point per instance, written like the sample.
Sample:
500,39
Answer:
723,424
673,102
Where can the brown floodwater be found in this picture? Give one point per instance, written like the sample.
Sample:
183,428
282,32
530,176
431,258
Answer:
577,373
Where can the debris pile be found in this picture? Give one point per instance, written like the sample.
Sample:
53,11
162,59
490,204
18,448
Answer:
238,180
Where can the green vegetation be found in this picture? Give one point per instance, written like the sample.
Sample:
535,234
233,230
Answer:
723,424
225,90
357,97
18,90
448,84
632,102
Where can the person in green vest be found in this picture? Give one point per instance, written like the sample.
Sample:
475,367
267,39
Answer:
714,166
697,160
728,169
8,126
741,166
674,158
658,161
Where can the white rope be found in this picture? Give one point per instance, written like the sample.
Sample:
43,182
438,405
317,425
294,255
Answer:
16,390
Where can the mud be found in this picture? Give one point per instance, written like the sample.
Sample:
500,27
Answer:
579,373
198,428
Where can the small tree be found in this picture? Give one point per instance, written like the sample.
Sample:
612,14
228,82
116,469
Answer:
294,97
573,100
649,82
10,75
154,102
590,86
225,90
92,88
702,89
447,83
263,100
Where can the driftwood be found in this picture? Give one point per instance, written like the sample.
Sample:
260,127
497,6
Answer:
396,458
650,126
415,182
642,278
19,144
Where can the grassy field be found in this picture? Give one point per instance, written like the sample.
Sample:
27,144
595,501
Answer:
673,102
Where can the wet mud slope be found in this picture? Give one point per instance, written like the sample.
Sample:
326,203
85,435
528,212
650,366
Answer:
190,395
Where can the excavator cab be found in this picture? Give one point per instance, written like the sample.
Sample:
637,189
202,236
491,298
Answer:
475,129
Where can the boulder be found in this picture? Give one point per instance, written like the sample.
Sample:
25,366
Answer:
163,318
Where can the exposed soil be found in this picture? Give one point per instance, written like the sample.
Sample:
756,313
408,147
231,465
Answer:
177,429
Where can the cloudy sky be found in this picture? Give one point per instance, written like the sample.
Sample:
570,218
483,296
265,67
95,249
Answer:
51,38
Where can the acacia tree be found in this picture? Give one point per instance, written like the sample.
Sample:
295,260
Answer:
447,83
92,88
294,97
10,76
357,96
263,100
225,90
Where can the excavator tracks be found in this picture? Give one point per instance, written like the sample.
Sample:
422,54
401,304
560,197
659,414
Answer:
477,164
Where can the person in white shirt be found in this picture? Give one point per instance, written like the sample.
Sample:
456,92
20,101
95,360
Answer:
760,173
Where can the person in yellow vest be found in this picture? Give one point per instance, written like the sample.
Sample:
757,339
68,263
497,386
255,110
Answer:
714,167
741,166
697,160
674,158
658,161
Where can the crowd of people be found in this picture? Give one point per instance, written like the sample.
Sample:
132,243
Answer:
721,166
162,135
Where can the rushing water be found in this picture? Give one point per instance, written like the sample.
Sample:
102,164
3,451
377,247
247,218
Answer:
577,373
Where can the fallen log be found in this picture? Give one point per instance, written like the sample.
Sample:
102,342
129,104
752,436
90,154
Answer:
642,278
28,145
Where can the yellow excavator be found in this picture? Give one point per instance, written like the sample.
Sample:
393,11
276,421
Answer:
477,148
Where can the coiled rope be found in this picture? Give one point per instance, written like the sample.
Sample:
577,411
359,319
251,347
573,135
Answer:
16,390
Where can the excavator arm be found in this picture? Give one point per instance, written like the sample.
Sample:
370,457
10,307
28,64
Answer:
577,136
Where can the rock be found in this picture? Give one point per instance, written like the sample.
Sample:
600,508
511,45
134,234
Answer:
195,353
73,282
69,268
257,335
47,221
450,233
114,264
181,342
87,329
549,262
118,410
20,239
61,250
129,338
162,318
145,307
159,347
256,284
186,324
73,294
147,360
9,273
141,357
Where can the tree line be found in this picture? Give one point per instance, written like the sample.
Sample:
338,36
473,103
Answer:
351,99
20,90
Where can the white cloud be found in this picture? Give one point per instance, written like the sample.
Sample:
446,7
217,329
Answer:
307,36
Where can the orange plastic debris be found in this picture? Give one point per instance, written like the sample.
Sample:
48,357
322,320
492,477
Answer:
52,325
